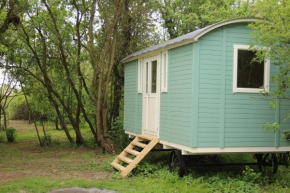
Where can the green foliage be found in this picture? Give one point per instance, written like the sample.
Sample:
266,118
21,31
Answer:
18,109
286,135
146,169
182,17
11,134
2,139
272,32
270,126
46,140
91,141
117,133
249,175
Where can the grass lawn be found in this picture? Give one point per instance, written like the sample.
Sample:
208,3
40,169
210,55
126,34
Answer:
27,167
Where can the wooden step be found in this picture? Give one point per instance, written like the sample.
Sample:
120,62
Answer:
118,166
125,159
142,145
132,152
145,137
132,162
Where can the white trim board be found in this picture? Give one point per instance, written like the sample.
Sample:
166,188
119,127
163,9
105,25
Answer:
216,150
266,81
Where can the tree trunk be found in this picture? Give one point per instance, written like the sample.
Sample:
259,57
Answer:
29,109
68,76
1,117
56,124
29,117
107,82
100,71
43,129
4,118
48,84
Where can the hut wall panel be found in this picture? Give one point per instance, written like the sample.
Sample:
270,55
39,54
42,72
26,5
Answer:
132,100
227,119
175,105
209,88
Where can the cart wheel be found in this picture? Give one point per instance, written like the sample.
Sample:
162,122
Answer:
176,163
269,160
259,158
286,159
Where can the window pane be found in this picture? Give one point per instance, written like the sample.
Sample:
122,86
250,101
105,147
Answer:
250,72
147,77
154,76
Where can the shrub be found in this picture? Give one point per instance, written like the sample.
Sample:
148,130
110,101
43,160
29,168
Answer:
46,140
249,175
2,140
11,134
117,133
91,141
19,112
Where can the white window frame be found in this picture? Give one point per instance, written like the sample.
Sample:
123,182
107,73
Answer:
140,62
235,76
164,71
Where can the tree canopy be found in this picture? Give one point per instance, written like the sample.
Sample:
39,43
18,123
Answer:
272,31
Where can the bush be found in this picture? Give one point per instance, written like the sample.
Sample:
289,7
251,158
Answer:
46,140
117,133
11,134
19,112
2,140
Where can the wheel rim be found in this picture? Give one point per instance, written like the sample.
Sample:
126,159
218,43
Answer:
259,158
268,161
176,163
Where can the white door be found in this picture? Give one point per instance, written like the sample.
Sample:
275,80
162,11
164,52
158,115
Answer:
151,96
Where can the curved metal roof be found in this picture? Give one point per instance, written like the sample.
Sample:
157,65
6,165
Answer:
187,38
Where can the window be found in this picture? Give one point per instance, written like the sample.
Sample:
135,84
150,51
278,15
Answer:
250,76
153,76
164,68
140,75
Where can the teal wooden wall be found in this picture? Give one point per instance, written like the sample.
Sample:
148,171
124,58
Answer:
132,100
285,125
200,108
175,105
227,119
209,88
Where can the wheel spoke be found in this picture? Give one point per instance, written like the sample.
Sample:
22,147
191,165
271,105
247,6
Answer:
176,163
268,161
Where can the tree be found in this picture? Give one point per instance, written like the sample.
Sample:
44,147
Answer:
6,96
181,17
10,11
272,31
69,53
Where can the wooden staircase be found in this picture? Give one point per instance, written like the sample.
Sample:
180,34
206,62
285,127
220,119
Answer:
129,158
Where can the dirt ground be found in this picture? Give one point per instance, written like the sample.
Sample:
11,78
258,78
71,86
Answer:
26,158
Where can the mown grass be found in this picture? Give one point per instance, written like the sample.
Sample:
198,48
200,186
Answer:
27,167
160,181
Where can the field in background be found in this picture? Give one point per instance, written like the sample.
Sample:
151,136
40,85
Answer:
27,167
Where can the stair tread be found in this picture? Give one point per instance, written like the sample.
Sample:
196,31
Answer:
139,144
132,152
145,137
139,155
118,166
125,159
